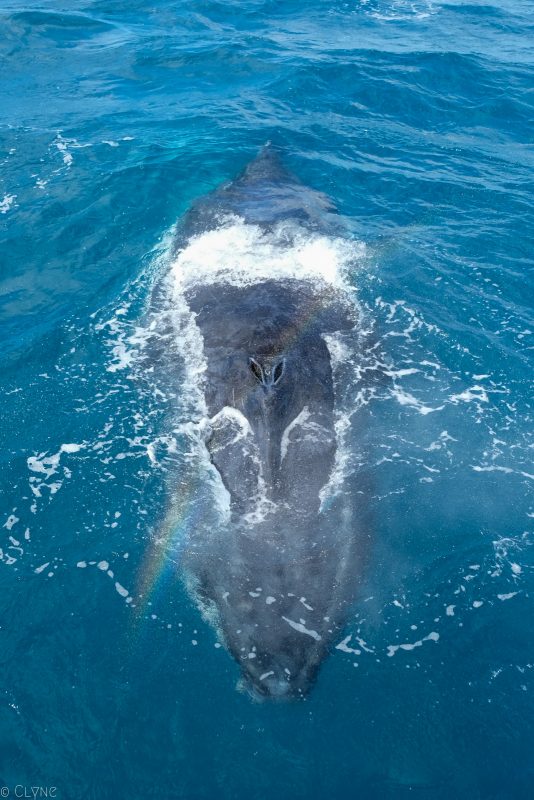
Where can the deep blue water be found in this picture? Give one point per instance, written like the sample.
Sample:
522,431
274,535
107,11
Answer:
415,117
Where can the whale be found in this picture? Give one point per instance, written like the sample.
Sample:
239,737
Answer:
279,576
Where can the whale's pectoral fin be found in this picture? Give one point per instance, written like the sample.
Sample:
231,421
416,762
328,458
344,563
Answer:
234,453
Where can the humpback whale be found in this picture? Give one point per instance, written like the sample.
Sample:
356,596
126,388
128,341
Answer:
278,578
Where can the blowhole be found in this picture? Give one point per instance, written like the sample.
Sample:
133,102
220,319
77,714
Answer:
267,375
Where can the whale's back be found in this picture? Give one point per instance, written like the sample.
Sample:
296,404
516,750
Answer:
290,418
265,194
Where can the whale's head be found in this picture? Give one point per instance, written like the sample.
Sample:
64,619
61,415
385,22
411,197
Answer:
278,660
279,602
280,676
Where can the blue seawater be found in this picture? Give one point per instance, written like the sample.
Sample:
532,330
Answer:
416,118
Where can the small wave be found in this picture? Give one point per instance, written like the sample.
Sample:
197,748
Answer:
399,10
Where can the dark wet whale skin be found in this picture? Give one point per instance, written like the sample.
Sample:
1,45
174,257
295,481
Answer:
264,194
280,583
261,322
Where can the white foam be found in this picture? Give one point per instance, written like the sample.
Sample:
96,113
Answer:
127,345
103,566
402,10
71,448
432,637
363,643
10,522
243,254
506,470
47,465
7,202
62,146
475,393
507,595
344,646
301,628
121,590
406,399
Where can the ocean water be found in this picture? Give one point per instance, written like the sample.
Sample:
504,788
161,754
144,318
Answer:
415,118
